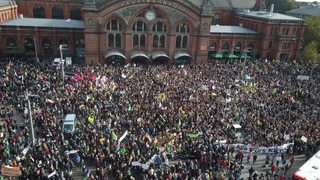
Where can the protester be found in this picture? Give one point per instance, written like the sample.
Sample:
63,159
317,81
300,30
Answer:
149,115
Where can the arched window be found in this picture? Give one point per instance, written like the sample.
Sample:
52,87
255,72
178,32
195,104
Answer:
11,43
213,48
178,42
118,41
250,48
75,13
114,37
225,48
182,39
143,41
47,46
159,30
183,28
80,47
159,27
139,38
57,13
114,25
29,44
38,12
237,48
111,40
139,26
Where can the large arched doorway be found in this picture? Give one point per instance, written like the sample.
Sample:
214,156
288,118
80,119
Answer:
47,47
115,58
181,58
160,58
29,46
140,57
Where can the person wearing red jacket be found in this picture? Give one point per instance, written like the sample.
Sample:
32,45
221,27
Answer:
292,160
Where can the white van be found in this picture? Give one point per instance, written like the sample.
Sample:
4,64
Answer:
237,129
69,123
56,62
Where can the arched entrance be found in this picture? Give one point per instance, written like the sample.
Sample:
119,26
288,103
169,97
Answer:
182,58
160,58
140,57
115,58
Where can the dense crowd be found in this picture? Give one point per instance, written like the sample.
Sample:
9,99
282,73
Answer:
169,113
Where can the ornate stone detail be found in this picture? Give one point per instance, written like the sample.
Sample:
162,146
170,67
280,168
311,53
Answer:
175,15
127,12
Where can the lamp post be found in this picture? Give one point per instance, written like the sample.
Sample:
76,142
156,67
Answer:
35,48
27,96
62,63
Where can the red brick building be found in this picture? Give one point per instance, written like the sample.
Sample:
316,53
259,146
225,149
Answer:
155,31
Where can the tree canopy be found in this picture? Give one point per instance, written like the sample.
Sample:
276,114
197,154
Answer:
282,6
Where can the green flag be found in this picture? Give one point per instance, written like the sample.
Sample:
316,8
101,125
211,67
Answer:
90,119
193,135
114,136
123,150
179,123
89,97
274,91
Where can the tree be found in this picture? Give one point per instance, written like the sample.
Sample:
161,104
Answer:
282,6
312,31
310,52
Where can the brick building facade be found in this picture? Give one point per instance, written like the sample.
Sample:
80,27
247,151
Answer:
157,31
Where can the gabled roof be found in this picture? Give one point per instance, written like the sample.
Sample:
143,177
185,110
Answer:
41,22
231,30
311,10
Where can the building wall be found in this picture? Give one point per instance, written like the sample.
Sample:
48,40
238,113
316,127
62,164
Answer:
200,39
48,6
274,41
8,12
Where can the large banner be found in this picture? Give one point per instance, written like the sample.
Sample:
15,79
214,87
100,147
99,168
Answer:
10,171
262,149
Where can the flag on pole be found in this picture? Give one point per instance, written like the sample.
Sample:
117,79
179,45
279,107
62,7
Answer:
123,136
114,136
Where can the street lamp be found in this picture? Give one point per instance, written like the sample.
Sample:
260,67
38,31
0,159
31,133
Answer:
62,63
35,48
27,96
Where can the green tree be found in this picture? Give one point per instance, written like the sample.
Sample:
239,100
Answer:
310,52
312,31
282,6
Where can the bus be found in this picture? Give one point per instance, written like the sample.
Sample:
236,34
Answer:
309,170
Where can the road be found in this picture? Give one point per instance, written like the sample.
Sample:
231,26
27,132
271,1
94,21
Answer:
259,165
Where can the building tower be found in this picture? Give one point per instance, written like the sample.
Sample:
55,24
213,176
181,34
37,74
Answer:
260,5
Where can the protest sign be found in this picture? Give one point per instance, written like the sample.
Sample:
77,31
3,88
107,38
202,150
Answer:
10,171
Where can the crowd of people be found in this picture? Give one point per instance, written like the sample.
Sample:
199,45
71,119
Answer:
151,115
